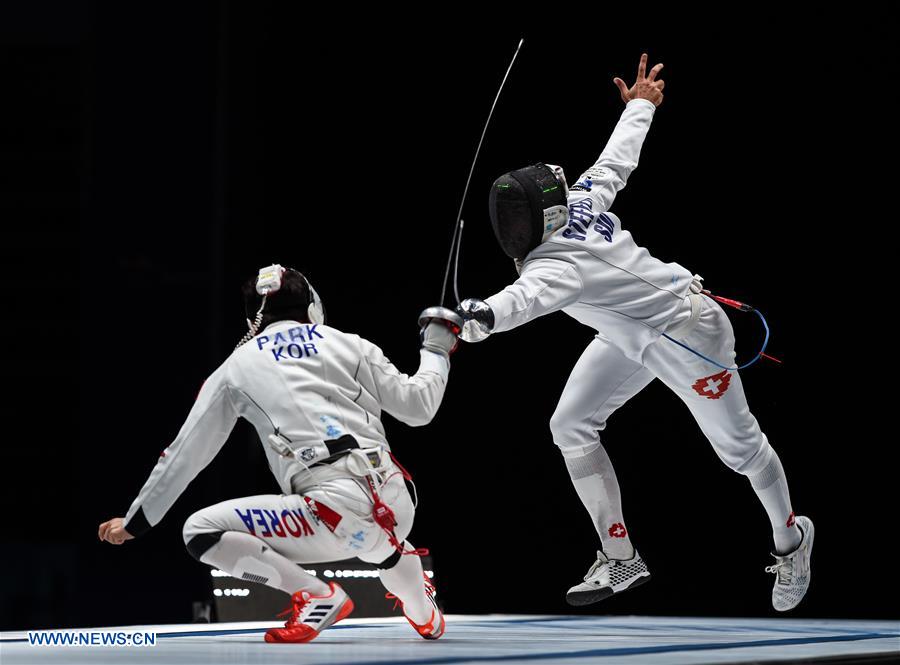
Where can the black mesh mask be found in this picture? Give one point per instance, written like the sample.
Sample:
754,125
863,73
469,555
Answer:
517,204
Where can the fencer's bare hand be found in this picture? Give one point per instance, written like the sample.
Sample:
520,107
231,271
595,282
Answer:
113,531
646,86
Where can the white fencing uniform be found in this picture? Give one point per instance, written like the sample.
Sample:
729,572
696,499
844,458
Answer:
309,383
326,518
592,270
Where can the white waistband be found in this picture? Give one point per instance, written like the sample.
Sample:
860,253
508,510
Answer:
683,329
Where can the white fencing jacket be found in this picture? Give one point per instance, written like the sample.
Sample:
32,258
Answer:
591,268
311,382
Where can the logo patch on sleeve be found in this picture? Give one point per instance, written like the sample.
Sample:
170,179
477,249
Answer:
583,185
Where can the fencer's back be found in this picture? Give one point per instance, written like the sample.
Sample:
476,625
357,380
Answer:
310,381
297,384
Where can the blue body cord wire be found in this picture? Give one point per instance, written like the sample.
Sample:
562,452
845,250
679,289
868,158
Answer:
736,367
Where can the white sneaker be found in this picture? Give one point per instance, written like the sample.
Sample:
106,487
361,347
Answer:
792,570
606,577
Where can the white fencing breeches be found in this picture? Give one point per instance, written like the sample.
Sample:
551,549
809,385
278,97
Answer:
331,523
604,379
262,538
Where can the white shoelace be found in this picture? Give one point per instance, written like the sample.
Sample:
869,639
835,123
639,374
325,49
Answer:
784,569
601,560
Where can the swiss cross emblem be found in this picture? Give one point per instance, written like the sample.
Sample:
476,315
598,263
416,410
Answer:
617,530
713,387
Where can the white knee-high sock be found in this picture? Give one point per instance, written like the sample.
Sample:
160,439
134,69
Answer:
771,487
596,484
247,557
406,581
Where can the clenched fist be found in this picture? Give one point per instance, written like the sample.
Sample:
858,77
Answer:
113,531
645,86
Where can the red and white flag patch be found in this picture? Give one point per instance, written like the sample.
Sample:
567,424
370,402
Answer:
713,387
322,514
617,530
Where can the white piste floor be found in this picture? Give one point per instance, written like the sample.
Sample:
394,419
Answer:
505,639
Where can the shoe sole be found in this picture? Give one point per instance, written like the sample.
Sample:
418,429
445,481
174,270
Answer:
437,635
579,598
343,613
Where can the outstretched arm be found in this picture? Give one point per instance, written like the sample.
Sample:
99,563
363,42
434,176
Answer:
201,437
545,286
620,156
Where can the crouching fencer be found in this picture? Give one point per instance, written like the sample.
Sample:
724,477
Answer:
573,255
315,395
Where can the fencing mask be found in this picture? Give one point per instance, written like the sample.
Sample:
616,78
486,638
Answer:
526,206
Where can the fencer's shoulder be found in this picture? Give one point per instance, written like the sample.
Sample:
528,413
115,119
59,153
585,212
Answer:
551,262
222,376
583,199
548,254
582,189
337,339
366,347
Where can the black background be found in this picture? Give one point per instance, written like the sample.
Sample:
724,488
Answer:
154,156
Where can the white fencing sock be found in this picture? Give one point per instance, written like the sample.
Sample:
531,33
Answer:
406,580
248,558
771,487
596,484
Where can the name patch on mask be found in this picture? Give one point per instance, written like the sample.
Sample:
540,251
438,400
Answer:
583,219
297,342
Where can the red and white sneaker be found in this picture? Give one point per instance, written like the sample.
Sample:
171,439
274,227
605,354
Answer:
432,630
310,615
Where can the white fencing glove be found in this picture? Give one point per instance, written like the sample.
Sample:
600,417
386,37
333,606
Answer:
439,330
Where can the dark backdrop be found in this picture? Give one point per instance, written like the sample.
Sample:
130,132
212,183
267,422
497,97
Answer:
155,156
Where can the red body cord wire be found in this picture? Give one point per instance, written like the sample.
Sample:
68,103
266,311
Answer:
384,516
744,307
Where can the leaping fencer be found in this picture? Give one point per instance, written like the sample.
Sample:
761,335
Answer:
573,255
315,396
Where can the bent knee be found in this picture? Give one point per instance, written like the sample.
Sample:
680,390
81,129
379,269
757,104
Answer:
573,437
200,534
753,460
558,426
196,524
